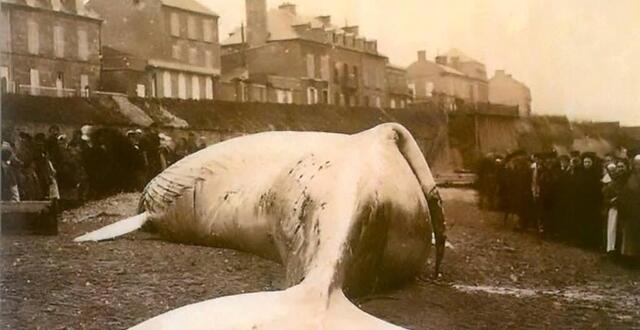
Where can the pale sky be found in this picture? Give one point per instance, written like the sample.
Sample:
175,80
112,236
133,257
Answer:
579,57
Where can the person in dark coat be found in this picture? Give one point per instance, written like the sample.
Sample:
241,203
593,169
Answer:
590,199
518,193
629,213
548,181
52,148
568,204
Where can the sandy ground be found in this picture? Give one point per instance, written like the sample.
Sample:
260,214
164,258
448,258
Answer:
494,278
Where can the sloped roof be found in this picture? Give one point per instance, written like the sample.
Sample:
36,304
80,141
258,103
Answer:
74,8
419,68
280,24
454,52
450,70
190,5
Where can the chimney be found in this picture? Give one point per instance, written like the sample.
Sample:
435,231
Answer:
68,5
301,28
80,9
455,62
500,73
291,8
325,20
441,59
257,28
422,56
352,29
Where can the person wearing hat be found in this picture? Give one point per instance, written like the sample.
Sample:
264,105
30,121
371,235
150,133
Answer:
629,213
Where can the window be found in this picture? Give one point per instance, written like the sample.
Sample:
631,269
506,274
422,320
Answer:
208,85
412,88
84,85
60,84
325,96
4,79
193,55
141,90
195,87
58,41
311,66
191,27
312,95
429,89
207,30
325,69
280,96
34,81
154,85
336,73
33,36
175,25
378,102
345,70
83,47
393,104
284,96
176,52
166,85
182,86
208,59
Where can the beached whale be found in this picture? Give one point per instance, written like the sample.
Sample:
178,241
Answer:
340,212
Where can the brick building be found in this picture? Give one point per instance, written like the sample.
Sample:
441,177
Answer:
452,77
398,92
304,60
159,48
49,47
506,90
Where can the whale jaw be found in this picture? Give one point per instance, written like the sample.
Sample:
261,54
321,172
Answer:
295,308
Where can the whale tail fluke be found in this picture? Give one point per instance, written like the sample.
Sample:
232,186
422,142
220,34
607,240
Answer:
114,230
294,308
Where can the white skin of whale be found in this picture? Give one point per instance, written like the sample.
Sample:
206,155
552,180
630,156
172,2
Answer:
338,211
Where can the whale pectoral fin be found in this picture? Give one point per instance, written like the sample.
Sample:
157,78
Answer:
116,229
295,308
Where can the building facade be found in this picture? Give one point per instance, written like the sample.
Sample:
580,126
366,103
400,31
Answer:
305,60
159,48
506,90
49,47
398,92
449,79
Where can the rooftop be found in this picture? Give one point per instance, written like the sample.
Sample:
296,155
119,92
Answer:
454,52
65,7
283,23
189,5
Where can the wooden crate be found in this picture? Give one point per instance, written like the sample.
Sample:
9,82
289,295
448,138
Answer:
32,217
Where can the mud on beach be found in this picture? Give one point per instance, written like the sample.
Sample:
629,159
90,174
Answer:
494,278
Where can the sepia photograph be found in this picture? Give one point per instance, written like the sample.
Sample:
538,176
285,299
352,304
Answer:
335,164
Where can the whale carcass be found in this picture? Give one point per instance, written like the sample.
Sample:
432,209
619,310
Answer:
342,213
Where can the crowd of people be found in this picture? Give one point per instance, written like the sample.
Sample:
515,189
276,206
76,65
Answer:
92,163
578,198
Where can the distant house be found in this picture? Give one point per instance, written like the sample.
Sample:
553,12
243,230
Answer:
504,89
304,60
398,93
159,48
49,47
451,77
